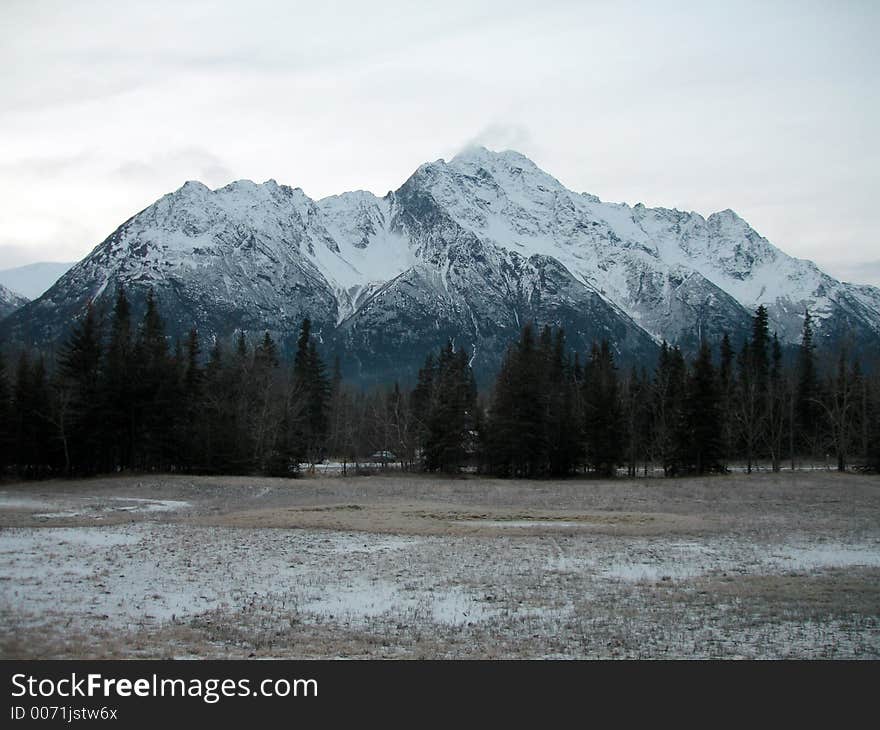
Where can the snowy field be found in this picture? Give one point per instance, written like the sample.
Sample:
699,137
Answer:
768,566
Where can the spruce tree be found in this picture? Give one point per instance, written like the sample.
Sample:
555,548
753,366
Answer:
807,409
307,414
422,401
667,404
636,418
319,399
336,411
531,398
727,385
269,416
242,398
450,421
117,400
155,390
191,414
777,405
517,423
31,408
602,417
6,419
752,395
873,427
77,406
216,436
760,346
563,419
699,443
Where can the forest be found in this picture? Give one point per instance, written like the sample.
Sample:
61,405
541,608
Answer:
119,397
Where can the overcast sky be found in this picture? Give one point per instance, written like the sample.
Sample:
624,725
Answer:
769,108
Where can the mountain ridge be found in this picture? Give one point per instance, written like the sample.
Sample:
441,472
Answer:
468,249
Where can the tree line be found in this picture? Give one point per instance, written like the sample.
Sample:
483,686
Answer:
552,414
118,397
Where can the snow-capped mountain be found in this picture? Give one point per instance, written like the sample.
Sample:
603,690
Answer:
468,249
10,301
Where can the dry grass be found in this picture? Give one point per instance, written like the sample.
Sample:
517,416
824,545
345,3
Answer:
722,567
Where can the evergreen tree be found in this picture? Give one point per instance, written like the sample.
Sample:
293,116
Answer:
76,415
602,418
450,421
422,400
517,427
191,421
6,419
215,437
666,407
699,443
319,398
752,396
636,417
270,425
117,390
727,386
32,419
873,419
777,405
807,408
760,346
155,390
338,413
564,433
307,411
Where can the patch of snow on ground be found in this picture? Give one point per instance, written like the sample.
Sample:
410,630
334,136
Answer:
139,506
7,502
833,555
525,523
669,560
358,598
153,505
130,574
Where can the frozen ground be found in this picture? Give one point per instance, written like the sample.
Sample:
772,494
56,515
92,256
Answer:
766,566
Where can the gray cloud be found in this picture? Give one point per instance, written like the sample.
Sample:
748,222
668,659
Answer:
502,137
39,167
15,255
188,163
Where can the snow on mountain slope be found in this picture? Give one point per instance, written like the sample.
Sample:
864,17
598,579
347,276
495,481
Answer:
470,248
368,254
635,256
10,301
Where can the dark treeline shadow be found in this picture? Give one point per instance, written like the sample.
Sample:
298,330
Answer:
119,397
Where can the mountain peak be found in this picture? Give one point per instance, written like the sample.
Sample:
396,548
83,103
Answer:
467,248
510,169
193,187
727,215
240,185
